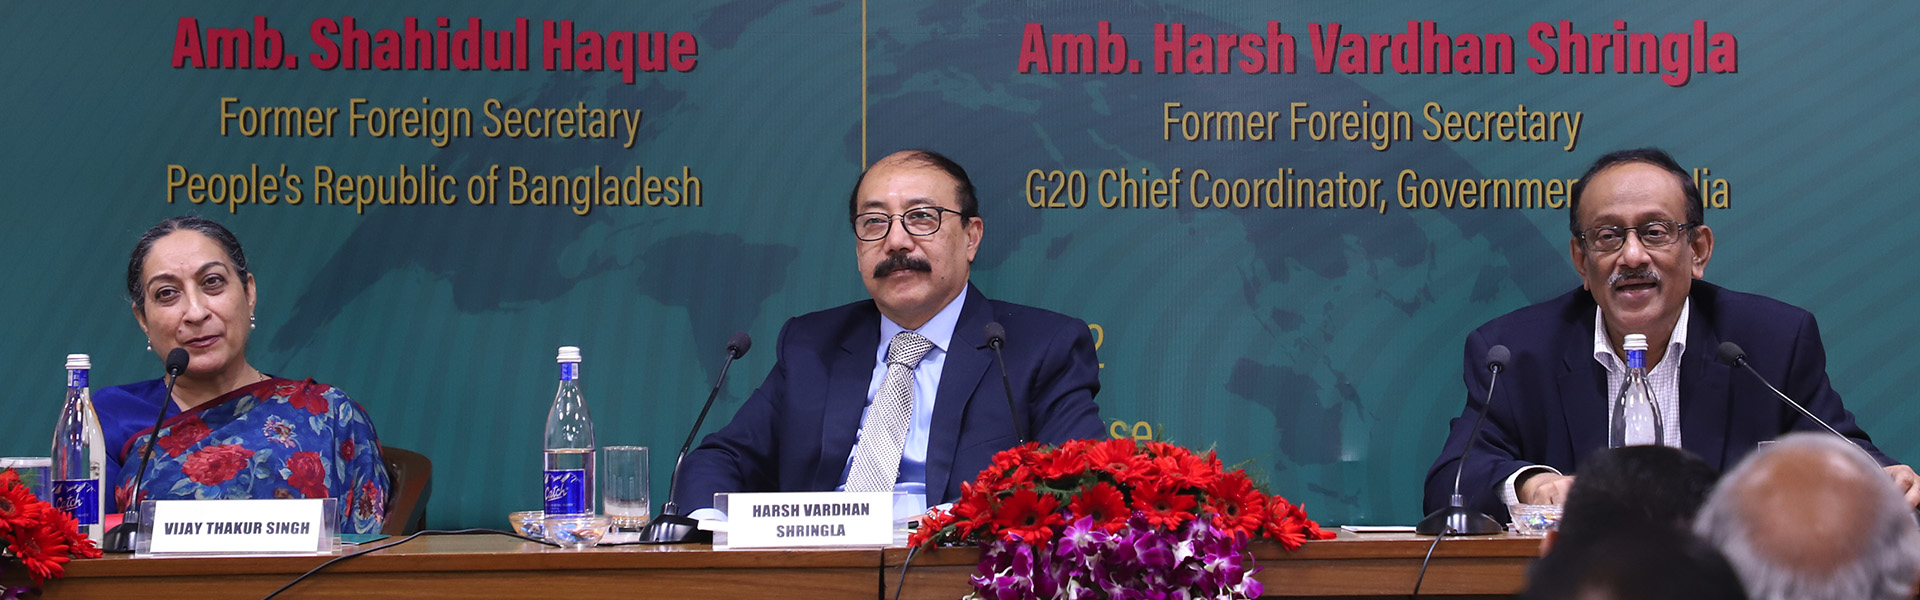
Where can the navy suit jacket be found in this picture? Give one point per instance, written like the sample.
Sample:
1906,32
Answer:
1550,407
796,432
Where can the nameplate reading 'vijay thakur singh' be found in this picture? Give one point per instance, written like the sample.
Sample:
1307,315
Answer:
241,527
799,519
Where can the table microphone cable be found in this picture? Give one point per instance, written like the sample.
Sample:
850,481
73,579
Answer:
902,582
310,572
1425,561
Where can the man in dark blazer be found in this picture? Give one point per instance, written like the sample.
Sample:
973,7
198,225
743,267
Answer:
917,227
1640,247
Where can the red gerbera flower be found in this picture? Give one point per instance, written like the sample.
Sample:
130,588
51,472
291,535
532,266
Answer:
1186,470
9,478
1102,502
1165,507
1061,464
1029,516
974,510
1118,458
42,550
1236,507
1286,523
69,529
19,510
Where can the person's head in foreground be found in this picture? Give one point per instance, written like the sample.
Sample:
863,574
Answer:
1811,517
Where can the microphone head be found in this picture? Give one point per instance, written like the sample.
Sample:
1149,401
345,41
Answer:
996,335
739,344
1731,355
1497,357
177,362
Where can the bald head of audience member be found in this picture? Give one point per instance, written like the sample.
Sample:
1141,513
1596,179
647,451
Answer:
1810,517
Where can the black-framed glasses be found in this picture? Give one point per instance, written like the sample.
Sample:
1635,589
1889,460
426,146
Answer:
920,221
1654,234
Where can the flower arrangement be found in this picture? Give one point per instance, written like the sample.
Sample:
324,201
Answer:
42,537
1115,518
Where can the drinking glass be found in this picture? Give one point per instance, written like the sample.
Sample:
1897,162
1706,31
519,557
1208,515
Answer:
33,472
623,487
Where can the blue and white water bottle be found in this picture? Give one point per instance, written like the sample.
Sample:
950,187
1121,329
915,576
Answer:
79,453
569,445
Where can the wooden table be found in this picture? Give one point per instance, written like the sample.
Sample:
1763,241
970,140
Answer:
493,566
1350,566
484,566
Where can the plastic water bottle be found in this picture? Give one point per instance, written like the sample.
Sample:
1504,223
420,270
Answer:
79,452
1636,419
569,446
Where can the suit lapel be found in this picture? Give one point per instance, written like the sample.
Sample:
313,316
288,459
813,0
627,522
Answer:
1583,390
1704,395
966,364
849,375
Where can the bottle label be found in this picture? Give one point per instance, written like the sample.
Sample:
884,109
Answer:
569,371
1636,359
80,498
76,378
567,492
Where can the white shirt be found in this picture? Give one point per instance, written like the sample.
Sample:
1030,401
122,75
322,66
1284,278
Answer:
1664,378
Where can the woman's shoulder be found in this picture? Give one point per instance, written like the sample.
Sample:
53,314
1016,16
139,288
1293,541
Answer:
140,395
313,396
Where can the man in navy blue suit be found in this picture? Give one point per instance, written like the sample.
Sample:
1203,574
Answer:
1639,244
917,227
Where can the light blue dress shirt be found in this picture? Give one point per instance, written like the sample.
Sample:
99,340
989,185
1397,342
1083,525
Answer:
926,386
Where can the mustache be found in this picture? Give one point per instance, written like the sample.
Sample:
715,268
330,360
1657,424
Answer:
898,262
1644,275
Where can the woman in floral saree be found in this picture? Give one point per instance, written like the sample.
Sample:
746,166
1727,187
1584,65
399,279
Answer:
231,431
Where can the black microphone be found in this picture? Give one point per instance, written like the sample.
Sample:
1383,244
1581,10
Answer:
120,538
1731,355
671,527
1456,518
996,339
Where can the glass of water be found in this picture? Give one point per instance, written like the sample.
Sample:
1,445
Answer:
33,472
623,486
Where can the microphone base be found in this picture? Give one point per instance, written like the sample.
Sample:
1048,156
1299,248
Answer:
1457,520
119,540
676,529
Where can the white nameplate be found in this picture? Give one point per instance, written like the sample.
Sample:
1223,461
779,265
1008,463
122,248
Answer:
241,527
802,519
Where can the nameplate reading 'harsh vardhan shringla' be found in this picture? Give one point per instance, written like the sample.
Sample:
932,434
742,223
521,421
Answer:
799,519
188,527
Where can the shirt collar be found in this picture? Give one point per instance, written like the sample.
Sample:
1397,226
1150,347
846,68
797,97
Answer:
938,329
1603,347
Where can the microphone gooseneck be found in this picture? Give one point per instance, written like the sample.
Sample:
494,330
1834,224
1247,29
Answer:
120,538
670,526
1456,518
1731,355
996,339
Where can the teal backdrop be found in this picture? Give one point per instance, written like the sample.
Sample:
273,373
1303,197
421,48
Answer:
1318,347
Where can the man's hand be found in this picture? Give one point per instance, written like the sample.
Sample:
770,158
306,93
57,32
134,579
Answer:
1549,488
1907,482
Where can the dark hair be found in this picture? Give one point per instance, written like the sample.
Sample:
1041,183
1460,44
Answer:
1642,563
1652,156
136,264
963,186
1632,486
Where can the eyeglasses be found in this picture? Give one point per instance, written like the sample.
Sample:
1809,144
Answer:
1655,234
922,221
